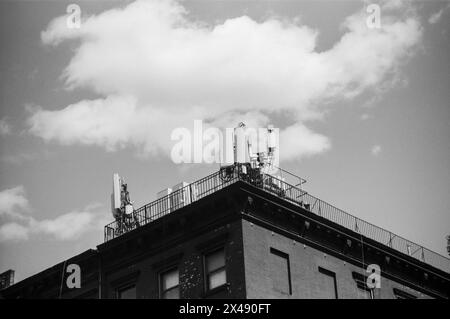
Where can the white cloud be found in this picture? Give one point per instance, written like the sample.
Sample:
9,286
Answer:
435,17
365,117
13,203
158,69
71,225
19,225
375,150
112,123
298,141
5,128
13,232
66,226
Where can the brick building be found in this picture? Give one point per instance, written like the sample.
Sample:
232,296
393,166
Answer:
236,234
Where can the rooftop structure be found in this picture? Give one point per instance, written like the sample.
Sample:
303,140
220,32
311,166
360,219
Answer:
249,230
277,185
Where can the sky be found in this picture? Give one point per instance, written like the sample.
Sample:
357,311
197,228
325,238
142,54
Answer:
363,108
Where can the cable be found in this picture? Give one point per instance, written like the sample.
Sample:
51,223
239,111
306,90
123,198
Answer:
62,279
372,296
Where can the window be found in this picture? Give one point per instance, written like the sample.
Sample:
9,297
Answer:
91,294
362,291
280,271
399,294
128,292
327,284
169,284
215,269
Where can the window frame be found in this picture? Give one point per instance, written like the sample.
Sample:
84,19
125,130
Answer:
124,287
208,274
160,282
361,284
284,255
400,294
332,274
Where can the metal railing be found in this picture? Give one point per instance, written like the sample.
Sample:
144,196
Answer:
167,204
277,186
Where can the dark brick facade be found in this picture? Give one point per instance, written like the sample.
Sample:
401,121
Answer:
260,234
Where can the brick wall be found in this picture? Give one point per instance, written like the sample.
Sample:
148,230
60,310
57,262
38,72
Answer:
188,257
304,263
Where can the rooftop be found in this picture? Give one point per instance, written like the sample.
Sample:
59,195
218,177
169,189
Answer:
278,186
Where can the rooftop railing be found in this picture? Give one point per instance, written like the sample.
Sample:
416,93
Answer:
277,186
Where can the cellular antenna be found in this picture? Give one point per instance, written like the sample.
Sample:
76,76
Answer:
121,206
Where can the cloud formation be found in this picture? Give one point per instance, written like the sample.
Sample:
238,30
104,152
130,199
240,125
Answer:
312,143
5,128
70,225
375,150
17,224
436,17
13,203
13,231
157,69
